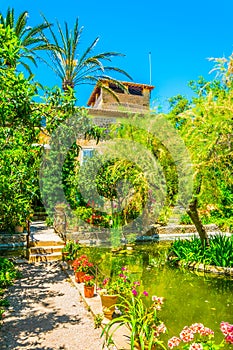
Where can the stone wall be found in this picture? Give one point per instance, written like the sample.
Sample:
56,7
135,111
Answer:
179,229
130,102
14,244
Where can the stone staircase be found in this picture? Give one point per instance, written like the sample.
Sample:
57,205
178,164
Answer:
174,219
44,244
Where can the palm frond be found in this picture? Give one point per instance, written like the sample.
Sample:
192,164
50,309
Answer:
35,31
27,68
64,56
27,54
88,50
20,24
10,18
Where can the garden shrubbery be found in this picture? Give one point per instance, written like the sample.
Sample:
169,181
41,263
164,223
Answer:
8,273
219,253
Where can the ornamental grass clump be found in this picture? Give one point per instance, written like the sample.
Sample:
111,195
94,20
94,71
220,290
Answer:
218,253
140,318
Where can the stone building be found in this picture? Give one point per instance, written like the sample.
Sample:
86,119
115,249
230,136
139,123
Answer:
131,96
104,108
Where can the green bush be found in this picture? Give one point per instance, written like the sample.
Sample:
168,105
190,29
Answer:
219,253
185,219
71,250
8,273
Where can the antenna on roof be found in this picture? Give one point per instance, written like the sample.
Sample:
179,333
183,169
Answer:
150,68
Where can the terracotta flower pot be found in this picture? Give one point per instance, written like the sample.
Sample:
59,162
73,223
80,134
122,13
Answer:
89,291
79,276
108,304
18,229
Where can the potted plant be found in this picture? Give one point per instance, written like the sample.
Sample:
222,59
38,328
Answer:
112,290
89,286
70,251
81,266
20,216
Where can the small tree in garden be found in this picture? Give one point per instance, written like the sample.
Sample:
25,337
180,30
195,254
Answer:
206,129
156,195
117,189
58,171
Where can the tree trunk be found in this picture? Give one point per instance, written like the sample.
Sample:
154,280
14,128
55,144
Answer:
193,213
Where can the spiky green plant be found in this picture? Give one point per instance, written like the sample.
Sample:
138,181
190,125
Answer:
30,38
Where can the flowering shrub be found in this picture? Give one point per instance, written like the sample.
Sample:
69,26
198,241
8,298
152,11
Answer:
82,264
199,337
227,330
119,285
88,280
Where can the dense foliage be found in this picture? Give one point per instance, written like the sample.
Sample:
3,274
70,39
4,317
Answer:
206,127
219,252
19,121
8,273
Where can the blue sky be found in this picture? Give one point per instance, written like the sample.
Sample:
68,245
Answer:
180,35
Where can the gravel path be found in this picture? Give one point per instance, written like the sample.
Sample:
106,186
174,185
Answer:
46,312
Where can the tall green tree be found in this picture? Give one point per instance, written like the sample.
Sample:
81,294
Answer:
74,67
207,131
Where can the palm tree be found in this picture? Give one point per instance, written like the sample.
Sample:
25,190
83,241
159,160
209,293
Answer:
73,68
30,38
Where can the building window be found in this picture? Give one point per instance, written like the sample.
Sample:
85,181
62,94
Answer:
86,153
135,90
116,88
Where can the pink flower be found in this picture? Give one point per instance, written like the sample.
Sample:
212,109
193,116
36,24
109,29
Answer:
136,283
196,346
229,338
174,341
123,268
145,293
186,334
105,281
197,327
135,293
161,328
158,300
226,328
206,331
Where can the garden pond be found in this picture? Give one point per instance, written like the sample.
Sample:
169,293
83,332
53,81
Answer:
189,297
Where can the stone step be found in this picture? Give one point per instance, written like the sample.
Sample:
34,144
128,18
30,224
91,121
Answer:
46,249
45,257
44,243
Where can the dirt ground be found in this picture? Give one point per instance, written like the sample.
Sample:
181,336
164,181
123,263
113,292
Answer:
47,312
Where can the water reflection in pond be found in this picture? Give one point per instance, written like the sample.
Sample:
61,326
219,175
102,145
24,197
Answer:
189,297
